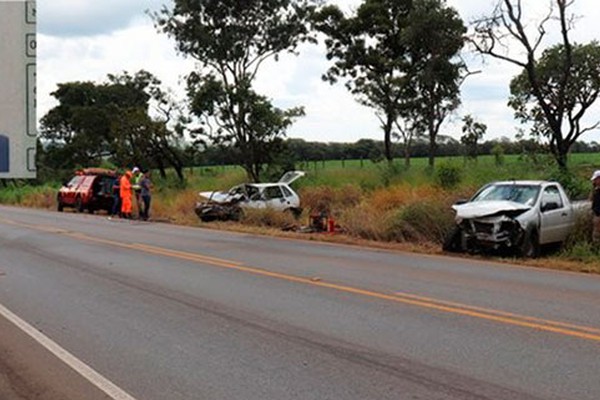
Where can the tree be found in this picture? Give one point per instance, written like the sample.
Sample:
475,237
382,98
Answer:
436,73
369,53
246,122
473,132
397,57
94,122
152,131
231,40
556,89
575,98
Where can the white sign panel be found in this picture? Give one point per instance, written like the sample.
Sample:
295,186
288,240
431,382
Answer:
18,122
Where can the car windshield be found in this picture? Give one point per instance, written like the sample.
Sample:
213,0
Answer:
524,194
74,181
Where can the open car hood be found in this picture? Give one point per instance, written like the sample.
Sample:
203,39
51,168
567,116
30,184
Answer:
479,209
291,176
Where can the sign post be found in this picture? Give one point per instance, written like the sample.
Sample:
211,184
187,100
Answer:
18,122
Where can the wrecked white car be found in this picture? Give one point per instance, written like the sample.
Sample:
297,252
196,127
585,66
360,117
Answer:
229,205
514,215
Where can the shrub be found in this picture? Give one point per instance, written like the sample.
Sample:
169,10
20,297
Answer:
319,198
176,206
364,222
348,196
420,222
328,199
401,195
581,232
584,252
576,187
268,217
390,173
416,222
498,153
448,176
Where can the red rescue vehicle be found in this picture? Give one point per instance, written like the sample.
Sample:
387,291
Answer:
90,189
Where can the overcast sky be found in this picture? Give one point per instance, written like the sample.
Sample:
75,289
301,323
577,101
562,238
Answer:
84,40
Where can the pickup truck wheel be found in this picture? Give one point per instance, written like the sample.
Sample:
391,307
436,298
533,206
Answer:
60,207
453,240
530,248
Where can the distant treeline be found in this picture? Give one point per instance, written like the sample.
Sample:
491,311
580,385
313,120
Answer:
298,150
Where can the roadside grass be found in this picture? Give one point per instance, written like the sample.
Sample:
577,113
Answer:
375,204
29,196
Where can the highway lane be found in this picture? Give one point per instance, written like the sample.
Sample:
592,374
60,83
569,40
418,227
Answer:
167,312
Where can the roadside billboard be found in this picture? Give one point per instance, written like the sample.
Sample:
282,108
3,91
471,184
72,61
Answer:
18,122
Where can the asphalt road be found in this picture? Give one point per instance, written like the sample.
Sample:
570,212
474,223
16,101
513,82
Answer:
92,308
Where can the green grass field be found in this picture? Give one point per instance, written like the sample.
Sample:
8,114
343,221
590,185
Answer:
369,176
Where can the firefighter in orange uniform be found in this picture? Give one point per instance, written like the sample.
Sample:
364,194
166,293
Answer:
125,193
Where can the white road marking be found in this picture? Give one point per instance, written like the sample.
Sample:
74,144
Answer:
112,390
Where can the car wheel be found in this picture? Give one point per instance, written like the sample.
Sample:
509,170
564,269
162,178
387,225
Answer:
60,207
79,205
236,214
530,248
294,212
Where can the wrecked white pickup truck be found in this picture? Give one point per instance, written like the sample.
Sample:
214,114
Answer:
514,215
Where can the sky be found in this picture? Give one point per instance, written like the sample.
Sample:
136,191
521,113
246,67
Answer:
85,40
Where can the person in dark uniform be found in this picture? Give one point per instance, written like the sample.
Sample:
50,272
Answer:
146,195
116,208
596,206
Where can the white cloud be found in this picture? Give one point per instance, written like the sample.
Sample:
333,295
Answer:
76,18
92,58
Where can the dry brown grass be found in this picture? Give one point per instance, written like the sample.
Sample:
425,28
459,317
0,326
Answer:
42,199
269,218
325,198
402,217
176,207
402,195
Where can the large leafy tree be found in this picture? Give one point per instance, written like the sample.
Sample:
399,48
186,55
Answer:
568,103
553,90
78,128
230,40
397,57
120,120
435,36
151,132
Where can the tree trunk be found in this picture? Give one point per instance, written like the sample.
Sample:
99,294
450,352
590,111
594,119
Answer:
432,138
561,157
407,156
432,149
387,131
179,171
161,168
